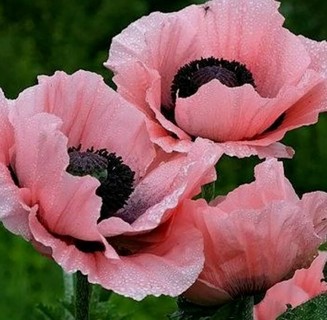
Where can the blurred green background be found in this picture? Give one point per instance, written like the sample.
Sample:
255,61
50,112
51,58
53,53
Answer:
41,36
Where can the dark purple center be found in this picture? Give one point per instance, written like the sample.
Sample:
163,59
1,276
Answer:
193,75
116,178
206,74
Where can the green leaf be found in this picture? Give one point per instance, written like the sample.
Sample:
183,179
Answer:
323,247
208,191
191,311
69,309
49,312
237,309
313,309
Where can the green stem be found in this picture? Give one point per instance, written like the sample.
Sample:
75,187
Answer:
82,297
244,309
248,308
68,293
241,308
68,287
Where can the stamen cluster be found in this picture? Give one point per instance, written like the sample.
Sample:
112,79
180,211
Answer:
193,75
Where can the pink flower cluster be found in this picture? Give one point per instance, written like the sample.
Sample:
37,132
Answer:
104,182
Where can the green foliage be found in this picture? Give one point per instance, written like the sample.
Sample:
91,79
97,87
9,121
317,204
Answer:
306,17
315,309
50,313
39,37
323,247
241,308
148,309
26,279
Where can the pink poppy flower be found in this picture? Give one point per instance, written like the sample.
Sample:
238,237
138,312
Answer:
256,236
224,70
305,285
80,165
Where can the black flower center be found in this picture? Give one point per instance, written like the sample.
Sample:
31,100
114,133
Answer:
116,178
193,75
82,163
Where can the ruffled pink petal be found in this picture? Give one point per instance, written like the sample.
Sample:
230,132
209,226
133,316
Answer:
275,303
134,82
318,54
84,102
309,99
169,267
310,279
67,204
241,246
305,285
204,293
163,42
168,125
13,211
163,189
114,226
148,194
165,141
304,111
139,82
69,97
316,205
223,114
143,85
242,150
220,113
66,254
121,128
282,61
6,136
270,185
